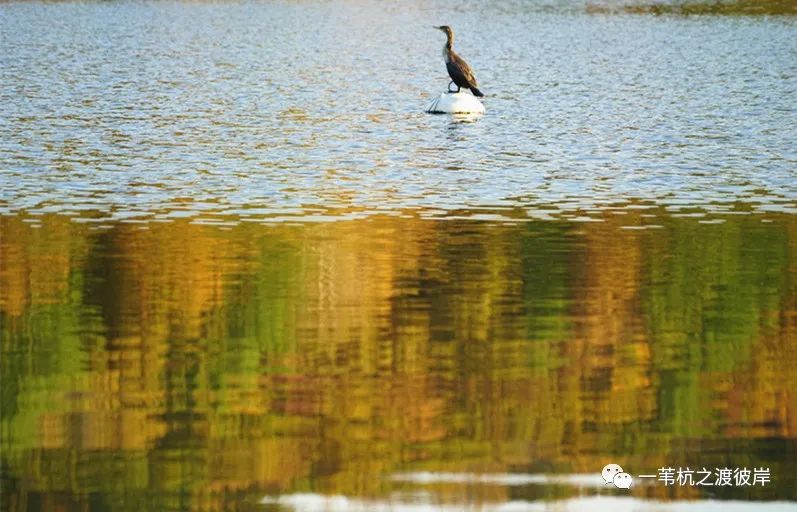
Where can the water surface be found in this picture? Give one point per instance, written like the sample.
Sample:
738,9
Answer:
240,269
164,109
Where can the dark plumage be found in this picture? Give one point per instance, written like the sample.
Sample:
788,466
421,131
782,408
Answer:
459,71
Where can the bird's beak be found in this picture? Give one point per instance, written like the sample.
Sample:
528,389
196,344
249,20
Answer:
438,28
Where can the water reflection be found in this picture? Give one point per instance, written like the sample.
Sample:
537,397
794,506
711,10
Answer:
177,365
421,503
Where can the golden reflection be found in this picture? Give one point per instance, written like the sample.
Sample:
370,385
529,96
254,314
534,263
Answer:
176,365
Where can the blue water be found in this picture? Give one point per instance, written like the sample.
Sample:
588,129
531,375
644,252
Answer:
275,110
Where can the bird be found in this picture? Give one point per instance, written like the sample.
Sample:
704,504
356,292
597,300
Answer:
459,71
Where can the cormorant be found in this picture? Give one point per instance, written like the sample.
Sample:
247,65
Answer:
458,69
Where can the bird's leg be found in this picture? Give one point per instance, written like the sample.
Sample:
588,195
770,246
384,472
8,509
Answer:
449,86
458,88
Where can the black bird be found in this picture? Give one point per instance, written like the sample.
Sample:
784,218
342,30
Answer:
458,69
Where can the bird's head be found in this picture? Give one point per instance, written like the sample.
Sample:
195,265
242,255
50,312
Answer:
446,29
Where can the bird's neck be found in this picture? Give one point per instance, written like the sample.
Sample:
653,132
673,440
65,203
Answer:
447,49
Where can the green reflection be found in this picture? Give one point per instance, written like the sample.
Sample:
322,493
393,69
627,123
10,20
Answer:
180,366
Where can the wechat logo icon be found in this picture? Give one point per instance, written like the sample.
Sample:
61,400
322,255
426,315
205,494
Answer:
614,474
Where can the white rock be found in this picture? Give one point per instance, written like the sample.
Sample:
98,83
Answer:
456,103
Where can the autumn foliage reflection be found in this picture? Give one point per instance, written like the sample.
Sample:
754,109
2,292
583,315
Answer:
177,365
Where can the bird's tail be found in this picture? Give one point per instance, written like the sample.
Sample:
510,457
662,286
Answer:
476,92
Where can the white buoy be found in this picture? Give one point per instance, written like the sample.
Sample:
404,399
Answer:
456,103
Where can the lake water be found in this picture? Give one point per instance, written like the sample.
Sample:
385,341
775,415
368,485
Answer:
240,269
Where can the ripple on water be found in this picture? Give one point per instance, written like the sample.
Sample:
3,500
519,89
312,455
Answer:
190,111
